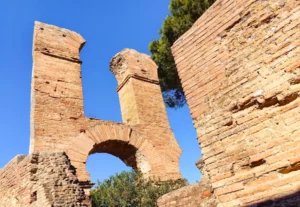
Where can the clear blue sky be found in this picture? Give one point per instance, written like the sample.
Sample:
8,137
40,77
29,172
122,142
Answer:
108,27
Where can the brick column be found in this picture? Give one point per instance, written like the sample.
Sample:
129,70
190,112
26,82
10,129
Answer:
142,105
56,92
139,92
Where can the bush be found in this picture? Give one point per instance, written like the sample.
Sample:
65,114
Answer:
129,189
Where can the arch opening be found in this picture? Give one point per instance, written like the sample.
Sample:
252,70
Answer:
102,166
126,152
122,150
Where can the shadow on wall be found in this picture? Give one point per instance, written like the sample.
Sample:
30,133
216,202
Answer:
291,200
200,194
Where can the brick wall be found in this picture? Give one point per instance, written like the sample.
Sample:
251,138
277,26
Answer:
40,179
240,70
198,194
15,182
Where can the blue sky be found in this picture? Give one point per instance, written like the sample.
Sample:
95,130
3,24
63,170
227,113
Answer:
108,27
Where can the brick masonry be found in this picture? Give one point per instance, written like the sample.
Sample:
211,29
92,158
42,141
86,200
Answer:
240,71
143,141
57,116
40,179
198,194
239,67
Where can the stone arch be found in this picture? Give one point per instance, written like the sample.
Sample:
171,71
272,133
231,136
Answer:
116,139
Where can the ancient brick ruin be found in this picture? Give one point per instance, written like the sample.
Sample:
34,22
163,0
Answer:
240,71
40,179
62,138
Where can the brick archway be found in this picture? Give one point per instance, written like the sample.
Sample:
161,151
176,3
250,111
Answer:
144,141
116,139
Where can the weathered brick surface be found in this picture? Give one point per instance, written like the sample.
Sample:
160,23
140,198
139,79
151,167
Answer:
239,67
142,104
198,194
144,141
41,179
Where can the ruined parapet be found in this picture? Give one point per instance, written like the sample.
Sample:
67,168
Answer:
239,68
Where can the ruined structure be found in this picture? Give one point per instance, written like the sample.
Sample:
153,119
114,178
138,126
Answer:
240,71
57,117
62,138
40,179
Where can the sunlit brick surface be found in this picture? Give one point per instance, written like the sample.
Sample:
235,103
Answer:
239,67
144,141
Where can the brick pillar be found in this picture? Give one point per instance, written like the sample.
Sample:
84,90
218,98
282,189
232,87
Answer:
56,92
143,107
138,87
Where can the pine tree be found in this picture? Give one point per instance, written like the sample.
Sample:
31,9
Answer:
183,14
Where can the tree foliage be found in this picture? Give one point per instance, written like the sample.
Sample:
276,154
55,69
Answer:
183,14
129,189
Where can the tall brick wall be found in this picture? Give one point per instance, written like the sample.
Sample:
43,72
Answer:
239,67
41,179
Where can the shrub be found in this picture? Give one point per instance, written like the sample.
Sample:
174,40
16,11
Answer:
129,189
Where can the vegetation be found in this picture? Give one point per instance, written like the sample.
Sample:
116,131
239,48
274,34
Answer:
129,189
183,14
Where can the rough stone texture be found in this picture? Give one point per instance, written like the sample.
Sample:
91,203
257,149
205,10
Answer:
40,179
198,194
239,67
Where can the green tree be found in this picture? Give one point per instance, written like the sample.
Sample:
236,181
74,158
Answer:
129,189
183,14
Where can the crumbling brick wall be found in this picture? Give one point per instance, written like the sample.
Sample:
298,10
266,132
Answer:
41,179
240,71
